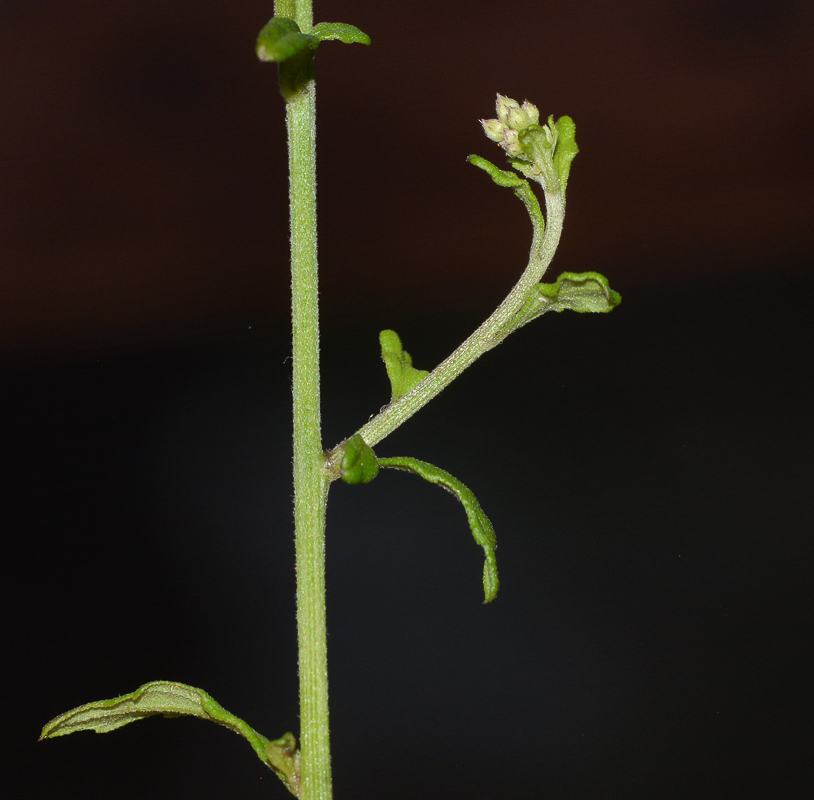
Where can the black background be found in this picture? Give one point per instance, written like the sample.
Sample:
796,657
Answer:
648,472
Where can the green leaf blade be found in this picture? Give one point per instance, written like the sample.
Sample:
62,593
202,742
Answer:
521,189
172,699
158,697
399,365
282,39
584,292
566,148
341,31
501,177
479,523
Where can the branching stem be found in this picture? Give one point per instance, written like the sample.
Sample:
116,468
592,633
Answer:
484,338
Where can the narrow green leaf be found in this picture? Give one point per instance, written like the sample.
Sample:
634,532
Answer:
174,700
586,292
349,34
521,188
403,375
501,177
358,464
282,39
481,527
565,149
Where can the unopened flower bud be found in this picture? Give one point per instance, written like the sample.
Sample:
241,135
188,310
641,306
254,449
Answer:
532,113
516,119
493,128
504,105
523,117
511,142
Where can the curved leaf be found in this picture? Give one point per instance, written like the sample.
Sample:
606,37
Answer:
521,188
403,375
174,700
502,177
585,292
358,464
479,524
349,34
282,39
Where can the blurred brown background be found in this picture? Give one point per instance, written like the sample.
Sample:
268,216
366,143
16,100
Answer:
648,472
143,184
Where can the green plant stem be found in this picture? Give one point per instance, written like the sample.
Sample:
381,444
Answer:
310,482
484,338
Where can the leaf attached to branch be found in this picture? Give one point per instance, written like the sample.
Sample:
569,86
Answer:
481,527
403,375
174,700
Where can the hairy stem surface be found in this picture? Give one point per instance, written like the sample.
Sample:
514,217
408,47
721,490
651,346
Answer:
310,483
484,338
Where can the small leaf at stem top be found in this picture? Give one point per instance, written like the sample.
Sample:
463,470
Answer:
349,34
566,148
173,700
282,39
403,375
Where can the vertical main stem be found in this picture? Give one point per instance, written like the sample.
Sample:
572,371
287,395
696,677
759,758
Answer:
310,482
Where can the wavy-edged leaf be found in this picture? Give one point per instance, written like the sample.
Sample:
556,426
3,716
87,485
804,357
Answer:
174,700
358,464
502,177
403,375
479,524
521,188
349,34
566,148
585,292
282,39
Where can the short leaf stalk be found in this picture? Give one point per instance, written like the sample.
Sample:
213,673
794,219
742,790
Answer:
541,153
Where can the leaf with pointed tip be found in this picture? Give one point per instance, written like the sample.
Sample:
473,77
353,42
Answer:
349,34
358,464
585,292
403,375
174,700
479,524
566,148
282,39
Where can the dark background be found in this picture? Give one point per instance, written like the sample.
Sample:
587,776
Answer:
648,472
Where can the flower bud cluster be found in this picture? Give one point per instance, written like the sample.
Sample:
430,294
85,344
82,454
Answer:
512,120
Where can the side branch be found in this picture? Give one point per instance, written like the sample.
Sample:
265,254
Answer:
490,333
